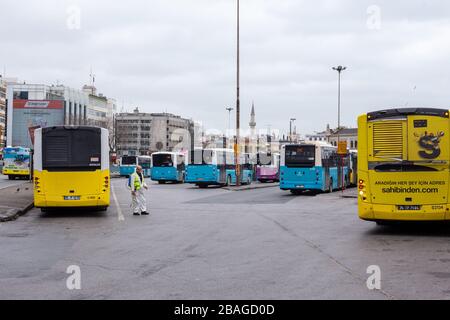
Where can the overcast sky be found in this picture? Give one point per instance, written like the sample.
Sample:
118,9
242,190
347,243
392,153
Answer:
179,55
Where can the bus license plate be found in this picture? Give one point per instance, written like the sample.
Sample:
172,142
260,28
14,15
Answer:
71,197
408,208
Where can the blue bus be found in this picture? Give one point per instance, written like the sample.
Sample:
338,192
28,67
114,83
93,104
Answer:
128,165
312,167
146,163
168,167
216,167
16,162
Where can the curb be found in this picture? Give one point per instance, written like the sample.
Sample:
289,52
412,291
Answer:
14,213
349,197
251,187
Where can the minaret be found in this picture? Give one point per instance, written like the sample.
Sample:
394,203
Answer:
252,122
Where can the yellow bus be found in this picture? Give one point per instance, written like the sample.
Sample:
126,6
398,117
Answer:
403,165
71,167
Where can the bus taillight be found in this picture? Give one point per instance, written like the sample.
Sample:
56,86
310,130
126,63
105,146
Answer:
361,184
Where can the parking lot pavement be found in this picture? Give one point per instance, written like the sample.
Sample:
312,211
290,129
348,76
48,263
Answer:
5,182
219,244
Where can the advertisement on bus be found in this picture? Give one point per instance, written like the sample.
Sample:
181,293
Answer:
16,161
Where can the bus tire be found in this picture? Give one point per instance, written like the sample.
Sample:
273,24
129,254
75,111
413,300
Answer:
203,186
295,192
161,182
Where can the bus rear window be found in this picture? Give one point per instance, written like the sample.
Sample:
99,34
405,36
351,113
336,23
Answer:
300,156
129,160
71,150
264,159
393,167
145,163
162,160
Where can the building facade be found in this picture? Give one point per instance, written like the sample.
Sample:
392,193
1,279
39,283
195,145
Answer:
2,113
345,134
139,133
350,135
32,106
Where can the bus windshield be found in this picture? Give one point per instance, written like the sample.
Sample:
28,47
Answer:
129,160
162,160
300,156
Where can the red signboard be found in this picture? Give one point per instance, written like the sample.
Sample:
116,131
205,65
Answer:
38,104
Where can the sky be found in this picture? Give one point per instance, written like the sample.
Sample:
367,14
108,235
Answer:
179,56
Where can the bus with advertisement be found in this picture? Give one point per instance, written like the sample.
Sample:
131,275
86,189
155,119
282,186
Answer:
168,167
16,162
403,165
216,166
313,166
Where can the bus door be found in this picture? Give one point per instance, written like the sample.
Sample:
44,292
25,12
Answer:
328,161
221,158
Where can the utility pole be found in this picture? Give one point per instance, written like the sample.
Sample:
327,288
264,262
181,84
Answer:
236,146
290,128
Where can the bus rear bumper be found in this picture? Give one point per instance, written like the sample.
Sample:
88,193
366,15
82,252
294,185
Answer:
59,202
12,172
382,212
300,186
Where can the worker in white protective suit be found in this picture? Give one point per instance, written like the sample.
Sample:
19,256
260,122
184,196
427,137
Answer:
137,184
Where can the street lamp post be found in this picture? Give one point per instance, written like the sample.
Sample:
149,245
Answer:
339,69
236,147
290,127
225,143
229,118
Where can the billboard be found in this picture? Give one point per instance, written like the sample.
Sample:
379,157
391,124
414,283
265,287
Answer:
29,115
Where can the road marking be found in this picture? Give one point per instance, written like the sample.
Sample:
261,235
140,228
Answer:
120,215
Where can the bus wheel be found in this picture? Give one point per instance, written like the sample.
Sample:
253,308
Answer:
10,177
203,186
330,186
44,210
161,182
